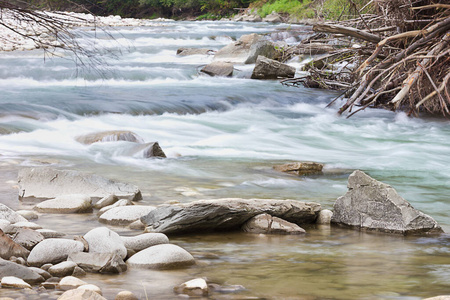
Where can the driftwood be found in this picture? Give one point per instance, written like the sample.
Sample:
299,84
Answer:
356,33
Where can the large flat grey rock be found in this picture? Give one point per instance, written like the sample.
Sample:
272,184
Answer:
225,214
66,204
371,204
50,183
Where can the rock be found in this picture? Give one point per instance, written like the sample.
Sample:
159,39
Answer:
28,214
126,295
81,294
109,136
90,287
49,234
443,297
46,275
47,266
18,260
125,215
300,168
9,248
228,289
218,68
166,256
8,268
14,282
138,225
104,240
265,223
5,225
324,217
66,204
225,214
62,269
122,202
78,272
51,283
195,287
273,18
106,201
370,204
13,228
10,215
50,183
252,18
99,262
147,150
194,51
28,238
143,241
70,282
246,50
60,250
266,68
81,239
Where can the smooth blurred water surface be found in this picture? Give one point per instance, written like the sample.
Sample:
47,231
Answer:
222,136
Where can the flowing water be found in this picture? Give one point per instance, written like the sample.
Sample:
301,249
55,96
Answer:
222,136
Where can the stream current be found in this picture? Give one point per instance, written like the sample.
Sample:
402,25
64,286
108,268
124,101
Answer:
222,136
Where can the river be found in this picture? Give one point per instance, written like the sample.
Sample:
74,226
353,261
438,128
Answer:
222,136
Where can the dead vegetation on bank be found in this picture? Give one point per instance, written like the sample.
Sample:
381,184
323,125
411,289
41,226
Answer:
396,58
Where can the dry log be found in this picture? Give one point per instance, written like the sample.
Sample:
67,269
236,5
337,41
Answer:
349,31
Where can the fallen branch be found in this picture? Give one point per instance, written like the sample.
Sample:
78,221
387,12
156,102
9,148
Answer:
349,31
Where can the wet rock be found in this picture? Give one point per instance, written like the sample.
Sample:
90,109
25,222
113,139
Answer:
125,215
218,68
46,275
14,282
371,204
70,282
9,248
225,214
122,202
49,234
106,201
99,262
147,150
109,136
51,283
300,168
8,268
266,68
265,223
62,269
91,287
10,215
246,50
104,240
28,238
66,204
166,256
81,294
50,183
273,18
194,51
28,214
195,287
324,217
143,241
126,295
78,272
53,251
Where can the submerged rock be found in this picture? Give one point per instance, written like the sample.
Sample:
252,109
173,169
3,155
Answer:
225,214
104,240
9,248
266,68
147,150
166,256
126,295
53,251
371,204
325,216
300,168
8,268
109,136
66,204
218,68
265,223
124,215
195,287
50,183
246,50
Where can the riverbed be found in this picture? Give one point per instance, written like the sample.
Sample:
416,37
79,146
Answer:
221,137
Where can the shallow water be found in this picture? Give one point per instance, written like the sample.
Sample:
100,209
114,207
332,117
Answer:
222,136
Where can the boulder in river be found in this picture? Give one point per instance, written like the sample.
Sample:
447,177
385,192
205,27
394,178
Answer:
266,68
71,282
28,238
81,294
194,51
66,204
273,18
143,241
9,248
166,256
50,183
14,282
99,262
246,50
53,251
105,201
8,268
147,150
62,269
300,168
225,214
125,215
104,240
373,205
218,68
265,223
109,136
196,288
